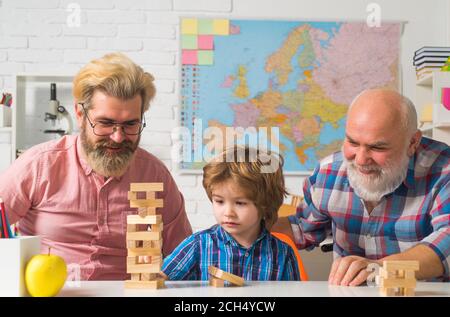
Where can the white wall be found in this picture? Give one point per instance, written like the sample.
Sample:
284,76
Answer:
34,37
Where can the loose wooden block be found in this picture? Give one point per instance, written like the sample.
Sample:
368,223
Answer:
147,220
144,235
155,203
146,187
156,284
218,273
401,265
216,282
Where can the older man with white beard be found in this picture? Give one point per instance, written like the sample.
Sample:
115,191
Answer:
385,196
73,192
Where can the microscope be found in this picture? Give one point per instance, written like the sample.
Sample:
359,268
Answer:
56,111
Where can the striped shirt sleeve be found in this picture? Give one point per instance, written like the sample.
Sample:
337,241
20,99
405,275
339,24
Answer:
439,239
182,263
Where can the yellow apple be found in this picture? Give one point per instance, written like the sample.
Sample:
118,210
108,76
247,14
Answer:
45,275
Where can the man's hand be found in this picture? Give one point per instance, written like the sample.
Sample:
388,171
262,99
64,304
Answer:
349,271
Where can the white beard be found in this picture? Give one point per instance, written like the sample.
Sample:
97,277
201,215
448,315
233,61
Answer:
384,181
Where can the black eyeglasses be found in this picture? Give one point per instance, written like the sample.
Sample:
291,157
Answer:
105,128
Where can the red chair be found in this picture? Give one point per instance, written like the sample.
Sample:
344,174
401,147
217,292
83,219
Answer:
285,238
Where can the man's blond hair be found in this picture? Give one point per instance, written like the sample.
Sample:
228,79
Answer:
115,75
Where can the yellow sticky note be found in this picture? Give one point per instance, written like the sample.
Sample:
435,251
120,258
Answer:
221,27
189,26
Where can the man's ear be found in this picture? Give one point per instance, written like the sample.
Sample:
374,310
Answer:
414,142
79,113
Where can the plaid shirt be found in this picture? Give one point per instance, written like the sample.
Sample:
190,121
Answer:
267,259
418,211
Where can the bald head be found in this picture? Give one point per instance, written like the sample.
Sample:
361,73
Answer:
381,107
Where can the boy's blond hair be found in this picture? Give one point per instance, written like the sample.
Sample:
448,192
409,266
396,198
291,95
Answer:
243,166
116,75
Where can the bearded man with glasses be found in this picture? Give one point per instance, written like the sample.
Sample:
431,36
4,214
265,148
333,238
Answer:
73,192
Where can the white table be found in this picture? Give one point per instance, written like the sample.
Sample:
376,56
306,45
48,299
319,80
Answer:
251,289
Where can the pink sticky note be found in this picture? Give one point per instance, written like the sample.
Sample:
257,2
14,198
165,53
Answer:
189,57
446,98
205,42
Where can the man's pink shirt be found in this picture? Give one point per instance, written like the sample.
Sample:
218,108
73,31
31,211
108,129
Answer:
54,193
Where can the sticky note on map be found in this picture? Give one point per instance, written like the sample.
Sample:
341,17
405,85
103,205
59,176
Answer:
189,42
189,26
205,57
189,57
221,27
205,42
205,26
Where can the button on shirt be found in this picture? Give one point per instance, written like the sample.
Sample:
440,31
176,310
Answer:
267,259
418,211
82,216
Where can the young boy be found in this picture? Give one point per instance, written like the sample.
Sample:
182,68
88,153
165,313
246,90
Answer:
245,202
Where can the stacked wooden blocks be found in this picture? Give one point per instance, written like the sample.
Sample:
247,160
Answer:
397,278
144,259
218,277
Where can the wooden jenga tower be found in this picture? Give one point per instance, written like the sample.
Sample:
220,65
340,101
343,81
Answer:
397,278
144,237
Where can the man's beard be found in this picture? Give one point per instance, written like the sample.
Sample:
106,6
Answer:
384,181
104,162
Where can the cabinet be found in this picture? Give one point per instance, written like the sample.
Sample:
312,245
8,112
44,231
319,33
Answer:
428,92
32,102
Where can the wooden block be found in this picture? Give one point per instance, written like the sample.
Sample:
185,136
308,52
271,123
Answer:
146,187
144,268
132,260
155,203
410,274
132,195
149,276
135,277
408,292
157,244
156,259
131,228
398,282
156,284
144,235
218,273
132,244
157,228
142,212
387,291
401,265
147,220
151,260
216,282
147,244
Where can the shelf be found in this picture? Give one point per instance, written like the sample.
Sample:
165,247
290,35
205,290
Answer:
5,129
429,126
